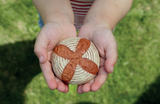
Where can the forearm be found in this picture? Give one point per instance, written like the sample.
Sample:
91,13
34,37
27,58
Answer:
108,11
51,10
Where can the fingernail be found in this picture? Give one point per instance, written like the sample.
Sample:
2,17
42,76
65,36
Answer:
41,59
111,69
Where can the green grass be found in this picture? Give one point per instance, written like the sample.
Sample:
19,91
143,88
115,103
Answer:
136,77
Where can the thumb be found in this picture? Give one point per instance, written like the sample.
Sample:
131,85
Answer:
40,48
111,56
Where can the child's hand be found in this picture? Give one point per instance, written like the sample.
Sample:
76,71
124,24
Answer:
106,44
51,34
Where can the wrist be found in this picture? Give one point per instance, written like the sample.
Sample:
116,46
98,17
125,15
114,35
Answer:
54,10
92,26
58,17
100,21
108,11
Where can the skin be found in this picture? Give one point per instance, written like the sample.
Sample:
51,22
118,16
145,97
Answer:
99,22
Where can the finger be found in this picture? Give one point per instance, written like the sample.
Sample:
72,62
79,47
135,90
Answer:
61,86
67,88
79,89
52,81
99,80
87,87
102,62
48,75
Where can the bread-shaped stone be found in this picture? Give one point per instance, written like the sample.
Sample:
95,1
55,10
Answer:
75,60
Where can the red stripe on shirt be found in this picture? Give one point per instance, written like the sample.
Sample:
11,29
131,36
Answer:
81,1
80,9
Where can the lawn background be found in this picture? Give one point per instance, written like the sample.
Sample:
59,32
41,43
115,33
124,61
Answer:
136,77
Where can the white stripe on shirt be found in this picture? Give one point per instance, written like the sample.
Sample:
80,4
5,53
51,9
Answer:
80,9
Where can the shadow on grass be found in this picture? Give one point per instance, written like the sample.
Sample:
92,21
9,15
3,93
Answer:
18,65
85,103
152,95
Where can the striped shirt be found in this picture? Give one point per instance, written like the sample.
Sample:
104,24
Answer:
80,9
